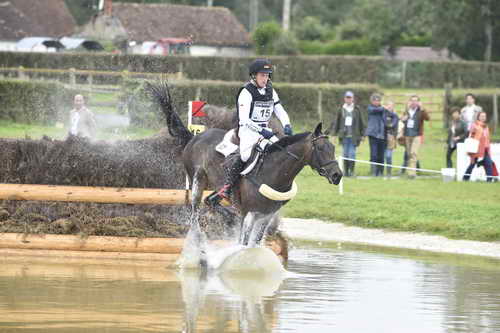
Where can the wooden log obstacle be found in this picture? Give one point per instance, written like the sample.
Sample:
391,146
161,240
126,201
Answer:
137,196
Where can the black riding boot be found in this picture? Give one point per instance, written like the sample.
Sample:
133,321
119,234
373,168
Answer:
232,169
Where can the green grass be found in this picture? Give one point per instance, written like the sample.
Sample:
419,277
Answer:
455,210
13,130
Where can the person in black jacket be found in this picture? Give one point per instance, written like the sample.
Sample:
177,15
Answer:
375,131
457,133
349,126
391,130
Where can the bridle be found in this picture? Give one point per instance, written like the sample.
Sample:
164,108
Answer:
319,167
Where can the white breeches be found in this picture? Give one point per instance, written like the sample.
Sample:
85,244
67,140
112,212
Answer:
248,139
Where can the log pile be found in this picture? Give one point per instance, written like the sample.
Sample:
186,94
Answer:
148,163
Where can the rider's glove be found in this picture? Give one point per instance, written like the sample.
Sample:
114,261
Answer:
288,130
267,134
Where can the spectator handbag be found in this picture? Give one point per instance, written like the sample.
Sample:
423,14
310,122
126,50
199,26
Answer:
471,145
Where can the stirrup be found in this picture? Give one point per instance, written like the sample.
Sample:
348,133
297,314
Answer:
216,197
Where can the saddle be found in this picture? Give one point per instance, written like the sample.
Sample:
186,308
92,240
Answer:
230,145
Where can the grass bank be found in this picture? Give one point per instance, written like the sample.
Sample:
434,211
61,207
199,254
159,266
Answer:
455,210
9,129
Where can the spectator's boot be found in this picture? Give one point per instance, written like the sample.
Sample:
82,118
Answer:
380,171
389,172
232,169
373,170
347,170
353,164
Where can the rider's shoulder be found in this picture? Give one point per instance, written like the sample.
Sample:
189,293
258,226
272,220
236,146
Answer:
244,93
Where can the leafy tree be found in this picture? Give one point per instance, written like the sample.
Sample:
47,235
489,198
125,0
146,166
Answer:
286,44
82,10
467,27
386,21
329,12
310,28
264,37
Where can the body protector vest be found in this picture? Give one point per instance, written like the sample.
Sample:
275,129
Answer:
262,106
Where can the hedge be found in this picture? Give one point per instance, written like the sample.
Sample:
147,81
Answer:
344,47
34,101
307,104
293,69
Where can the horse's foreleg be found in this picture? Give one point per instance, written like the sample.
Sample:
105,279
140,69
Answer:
246,228
260,225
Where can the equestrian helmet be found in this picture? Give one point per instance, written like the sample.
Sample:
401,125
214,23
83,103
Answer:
260,66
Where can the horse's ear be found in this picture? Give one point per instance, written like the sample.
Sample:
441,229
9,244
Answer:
318,130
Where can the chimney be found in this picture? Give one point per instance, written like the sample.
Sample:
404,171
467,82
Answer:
108,7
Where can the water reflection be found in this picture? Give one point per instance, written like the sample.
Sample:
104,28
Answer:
243,296
346,290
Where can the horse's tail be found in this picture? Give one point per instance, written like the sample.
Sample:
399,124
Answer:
161,94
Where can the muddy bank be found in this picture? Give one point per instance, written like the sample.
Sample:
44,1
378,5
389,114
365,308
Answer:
319,231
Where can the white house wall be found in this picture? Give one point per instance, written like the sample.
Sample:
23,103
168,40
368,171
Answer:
7,46
202,50
197,50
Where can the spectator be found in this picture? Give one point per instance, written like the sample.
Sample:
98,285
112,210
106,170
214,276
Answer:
391,130
470,111
349,125
413,119
82,122
481,132
376,134
457,132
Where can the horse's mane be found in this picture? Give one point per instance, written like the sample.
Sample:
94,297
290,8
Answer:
286,141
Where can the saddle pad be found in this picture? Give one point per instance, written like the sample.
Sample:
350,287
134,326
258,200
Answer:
226,147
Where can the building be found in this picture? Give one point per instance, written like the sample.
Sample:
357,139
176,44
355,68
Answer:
149,28
29,18
420,53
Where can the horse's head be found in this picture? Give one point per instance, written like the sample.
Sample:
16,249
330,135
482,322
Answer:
322,157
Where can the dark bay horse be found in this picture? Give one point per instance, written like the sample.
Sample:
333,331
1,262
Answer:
280,165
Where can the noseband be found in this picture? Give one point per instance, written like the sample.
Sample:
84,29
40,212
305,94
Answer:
319,167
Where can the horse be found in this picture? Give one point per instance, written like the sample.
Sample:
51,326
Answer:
269,186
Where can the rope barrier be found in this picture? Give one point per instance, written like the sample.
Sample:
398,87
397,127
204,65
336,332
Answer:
341,185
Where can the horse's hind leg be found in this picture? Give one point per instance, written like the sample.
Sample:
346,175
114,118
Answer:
198,184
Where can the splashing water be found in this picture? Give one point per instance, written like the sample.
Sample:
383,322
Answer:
233,258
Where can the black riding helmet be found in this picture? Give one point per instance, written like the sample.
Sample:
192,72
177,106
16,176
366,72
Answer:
260,66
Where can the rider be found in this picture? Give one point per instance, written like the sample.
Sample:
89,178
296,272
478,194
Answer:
256,103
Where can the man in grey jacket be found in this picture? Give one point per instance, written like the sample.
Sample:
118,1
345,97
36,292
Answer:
82,121
349,125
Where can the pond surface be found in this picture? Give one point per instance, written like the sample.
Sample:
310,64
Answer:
341,289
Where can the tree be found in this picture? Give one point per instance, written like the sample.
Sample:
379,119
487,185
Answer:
467,27
265,36
386,21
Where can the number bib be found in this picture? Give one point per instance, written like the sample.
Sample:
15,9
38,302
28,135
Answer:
348,121
262,111
410,123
